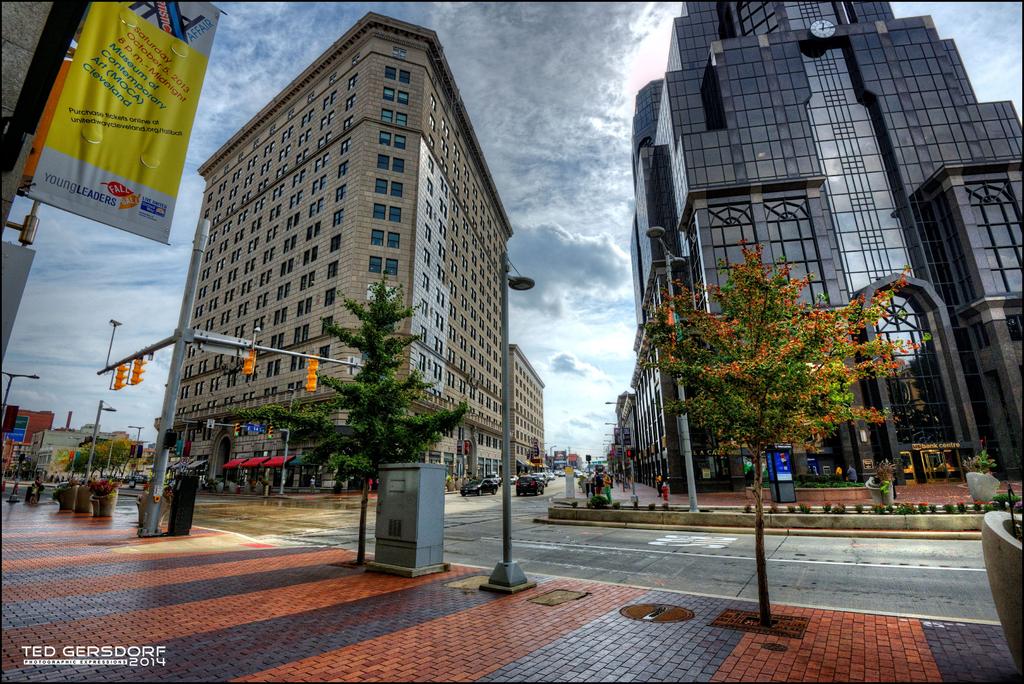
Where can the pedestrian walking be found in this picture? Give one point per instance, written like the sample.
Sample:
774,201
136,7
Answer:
851,474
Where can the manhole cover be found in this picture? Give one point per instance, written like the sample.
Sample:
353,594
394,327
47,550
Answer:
778,648
749,621
557,597
656,612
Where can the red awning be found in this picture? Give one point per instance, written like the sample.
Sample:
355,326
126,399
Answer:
233,463
253,462
277,461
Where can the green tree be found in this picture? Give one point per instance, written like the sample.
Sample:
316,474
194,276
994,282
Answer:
377,402
118,450
770,368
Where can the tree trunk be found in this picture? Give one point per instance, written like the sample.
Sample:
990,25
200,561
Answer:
763,605
363,505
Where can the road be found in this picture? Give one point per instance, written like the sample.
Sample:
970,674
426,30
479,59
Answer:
941,579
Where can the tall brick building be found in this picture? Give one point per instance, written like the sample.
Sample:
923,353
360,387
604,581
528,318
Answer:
851,143
365,167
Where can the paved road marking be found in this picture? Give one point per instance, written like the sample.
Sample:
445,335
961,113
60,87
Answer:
634,550
691,540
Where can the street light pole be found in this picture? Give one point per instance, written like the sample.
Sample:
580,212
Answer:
682,419
138,436
111,347
507,576
92,445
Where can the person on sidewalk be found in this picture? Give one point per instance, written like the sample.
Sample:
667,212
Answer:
851,473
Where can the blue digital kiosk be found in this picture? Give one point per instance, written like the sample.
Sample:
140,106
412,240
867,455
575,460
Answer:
780,473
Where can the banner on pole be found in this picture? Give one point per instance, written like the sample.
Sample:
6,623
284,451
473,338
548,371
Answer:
111,144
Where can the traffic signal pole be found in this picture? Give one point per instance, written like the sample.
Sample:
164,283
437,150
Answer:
152,517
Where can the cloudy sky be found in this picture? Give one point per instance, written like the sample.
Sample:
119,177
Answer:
550,90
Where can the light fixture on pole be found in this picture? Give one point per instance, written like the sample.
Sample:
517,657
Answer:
114,325
138,437
682,421
92,446
507,576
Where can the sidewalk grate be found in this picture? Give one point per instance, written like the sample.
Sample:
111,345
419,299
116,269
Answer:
656,612
557,597
749,621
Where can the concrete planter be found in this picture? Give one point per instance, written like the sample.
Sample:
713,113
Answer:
939,522
220,487
878,497
66,498
982,486
83,500
103,506
1003,565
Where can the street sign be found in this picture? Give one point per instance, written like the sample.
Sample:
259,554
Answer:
17,435
211,423
257,428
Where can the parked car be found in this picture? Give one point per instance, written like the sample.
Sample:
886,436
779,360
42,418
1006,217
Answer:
530,484
479,487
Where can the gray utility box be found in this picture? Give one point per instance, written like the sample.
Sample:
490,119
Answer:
410,519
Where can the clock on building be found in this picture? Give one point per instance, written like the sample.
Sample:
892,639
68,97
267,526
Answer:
823,28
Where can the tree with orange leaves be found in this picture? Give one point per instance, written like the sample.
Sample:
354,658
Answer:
771,368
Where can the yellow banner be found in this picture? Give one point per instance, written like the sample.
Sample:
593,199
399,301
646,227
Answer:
116,145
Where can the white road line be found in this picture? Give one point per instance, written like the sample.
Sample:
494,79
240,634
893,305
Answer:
553,546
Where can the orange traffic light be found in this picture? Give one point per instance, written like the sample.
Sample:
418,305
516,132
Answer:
138,368
311,375
121,376
249,365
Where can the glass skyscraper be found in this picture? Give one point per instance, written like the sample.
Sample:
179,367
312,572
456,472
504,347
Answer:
852,144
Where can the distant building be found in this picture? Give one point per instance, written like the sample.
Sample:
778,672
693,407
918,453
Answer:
48,447
527,411
28,424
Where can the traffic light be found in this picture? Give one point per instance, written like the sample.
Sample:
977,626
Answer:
629,454
311,375
238,429
138,368
121,376
249,365
270,431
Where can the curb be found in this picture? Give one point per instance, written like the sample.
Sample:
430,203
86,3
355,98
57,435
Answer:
775,531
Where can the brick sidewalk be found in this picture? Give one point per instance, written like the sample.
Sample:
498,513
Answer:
258,613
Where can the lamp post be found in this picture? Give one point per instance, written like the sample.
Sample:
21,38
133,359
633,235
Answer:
287,437
3,412
114,325
507,576
95,430
683,422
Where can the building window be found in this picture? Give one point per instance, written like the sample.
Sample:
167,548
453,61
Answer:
401,119
391,267
1013,322
339,215
352,81
403,97
382,161
996,214
398,165
394,239
377,237
375,264
339,194
394,214
387,116
400,142
396,189
792,238
335,243
389,94
756,18
390,73
379,211
381,187
384,138
329,297
403,77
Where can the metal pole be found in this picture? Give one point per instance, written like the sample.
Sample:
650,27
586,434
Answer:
284,464
114,325
152,528
506,574
92,445
682,420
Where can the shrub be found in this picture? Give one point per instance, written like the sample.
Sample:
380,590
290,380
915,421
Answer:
961,507
804,508
949,508
932,508
749,508
977,506
102,488
1004,499
889,508
650,507
922,508
989,507
616,505
859,508
981,463
839,509
598,501
791,508
575,504
827,508
878,508
773,509
905,509
664,506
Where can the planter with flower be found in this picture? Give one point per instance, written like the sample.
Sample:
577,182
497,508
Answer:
1001,547
83,498
64,494
980,483
104,497
880,484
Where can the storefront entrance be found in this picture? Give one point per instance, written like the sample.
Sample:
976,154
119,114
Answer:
932,463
